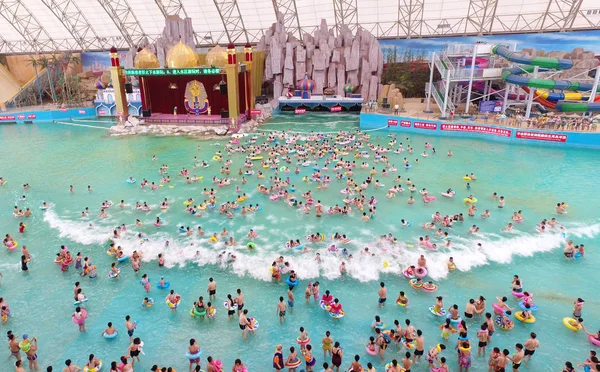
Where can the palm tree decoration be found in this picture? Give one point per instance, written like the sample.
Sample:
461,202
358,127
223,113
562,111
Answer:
48,65
33,62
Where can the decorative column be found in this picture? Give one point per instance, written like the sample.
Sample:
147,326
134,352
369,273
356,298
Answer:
232,82
250,97
117,75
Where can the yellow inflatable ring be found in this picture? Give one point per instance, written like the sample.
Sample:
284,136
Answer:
519,316
467,178
213,239
216,158
470,201
567,322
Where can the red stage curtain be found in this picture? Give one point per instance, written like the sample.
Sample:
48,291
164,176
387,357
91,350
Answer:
162,99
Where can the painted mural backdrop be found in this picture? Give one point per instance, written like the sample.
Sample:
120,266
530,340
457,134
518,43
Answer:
398,50
98,62
406,59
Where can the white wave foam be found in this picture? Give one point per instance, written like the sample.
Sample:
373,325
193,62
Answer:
495,248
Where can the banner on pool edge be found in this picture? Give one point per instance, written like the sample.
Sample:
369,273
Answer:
335,109
538,136
422,125
477,129
7,117
392,123
300,111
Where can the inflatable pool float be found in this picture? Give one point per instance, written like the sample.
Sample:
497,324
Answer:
226,306
95,369
442,311
193,356
290,283
106,335
470,201
131,181
420,272
114,275
338,315
121,259
567,322
454,321
502,326
253,324
519,316
413,283
532,307
167,285
433,288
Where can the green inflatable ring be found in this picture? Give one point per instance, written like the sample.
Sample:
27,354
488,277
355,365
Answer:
251,245
282,168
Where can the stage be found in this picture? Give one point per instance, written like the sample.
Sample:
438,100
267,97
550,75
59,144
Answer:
185,119
320,103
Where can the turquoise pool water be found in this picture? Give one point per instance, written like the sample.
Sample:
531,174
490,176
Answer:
51,157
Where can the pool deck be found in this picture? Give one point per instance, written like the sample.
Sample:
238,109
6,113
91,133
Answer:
466,128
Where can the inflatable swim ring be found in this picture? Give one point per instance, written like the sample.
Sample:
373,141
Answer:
95,369
470,201
454,321
567,322
502,326
338,315
433,289
519,316
106,335
226,306
532,307
290,283
173,305
251,245
150,302
442,312
114,275
167,285
373,351
420,272
413,283
193,356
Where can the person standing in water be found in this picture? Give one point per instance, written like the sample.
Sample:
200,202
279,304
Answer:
382,293
530,345
243,323
281,307
212,289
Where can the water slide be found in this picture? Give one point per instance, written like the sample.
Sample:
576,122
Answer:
9,85
514,76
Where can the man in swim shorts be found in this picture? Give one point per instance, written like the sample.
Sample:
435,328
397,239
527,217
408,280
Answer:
13,346
517,357
243,323
470,308
240,300
420,341
530,346
130,327
281,307
212,289
291,299
382,293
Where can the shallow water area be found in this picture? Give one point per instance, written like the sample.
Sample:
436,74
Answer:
50,157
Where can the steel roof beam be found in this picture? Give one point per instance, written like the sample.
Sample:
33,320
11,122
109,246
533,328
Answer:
126,21
229,11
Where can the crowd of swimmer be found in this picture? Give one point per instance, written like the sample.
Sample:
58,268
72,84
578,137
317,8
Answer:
319,153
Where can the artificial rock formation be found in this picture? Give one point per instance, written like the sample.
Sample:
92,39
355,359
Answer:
329,60
393,95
